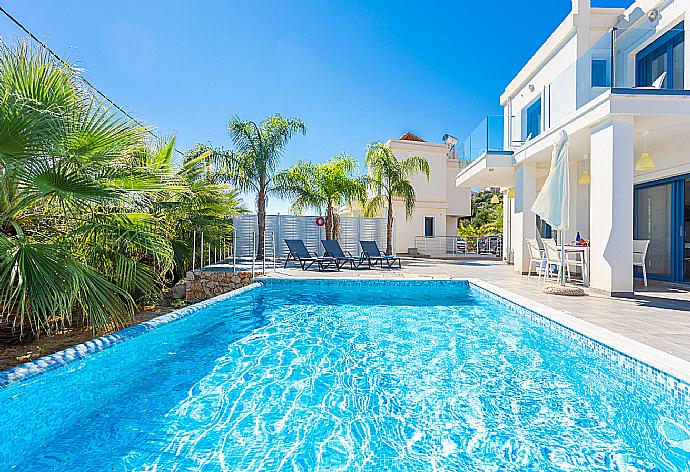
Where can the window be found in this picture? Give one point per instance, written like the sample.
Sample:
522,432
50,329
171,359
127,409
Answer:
429,226
663,56
599,75
533,119
544,229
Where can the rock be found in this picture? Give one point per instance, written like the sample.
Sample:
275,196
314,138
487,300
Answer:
566,290
178,290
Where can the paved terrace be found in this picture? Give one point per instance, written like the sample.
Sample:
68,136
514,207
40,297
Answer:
658,316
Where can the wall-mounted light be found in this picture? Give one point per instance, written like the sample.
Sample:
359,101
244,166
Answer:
645,161
653,15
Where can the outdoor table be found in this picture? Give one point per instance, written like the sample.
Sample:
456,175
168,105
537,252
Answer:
583,252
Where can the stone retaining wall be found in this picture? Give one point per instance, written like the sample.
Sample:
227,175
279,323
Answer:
202,285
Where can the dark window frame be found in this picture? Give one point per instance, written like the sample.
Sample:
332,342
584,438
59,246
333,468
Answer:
664,44
428,219
600,78
533,117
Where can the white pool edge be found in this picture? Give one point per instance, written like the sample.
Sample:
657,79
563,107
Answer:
652,356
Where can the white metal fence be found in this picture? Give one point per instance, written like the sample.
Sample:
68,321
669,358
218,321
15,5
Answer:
460,246
237,252
282,227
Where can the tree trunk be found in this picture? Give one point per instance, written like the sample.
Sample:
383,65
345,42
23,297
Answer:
261,220
335,232
389,227
329,222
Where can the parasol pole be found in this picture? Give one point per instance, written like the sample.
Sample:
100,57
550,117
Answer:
563,183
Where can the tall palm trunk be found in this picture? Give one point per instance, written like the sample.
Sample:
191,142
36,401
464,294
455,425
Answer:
335,232
389,227
261,220
330,223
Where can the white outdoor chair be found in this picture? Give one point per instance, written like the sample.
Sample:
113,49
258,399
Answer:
575,259
553,258
657,84
640,247
537,258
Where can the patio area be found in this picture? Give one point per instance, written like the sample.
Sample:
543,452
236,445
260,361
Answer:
657,315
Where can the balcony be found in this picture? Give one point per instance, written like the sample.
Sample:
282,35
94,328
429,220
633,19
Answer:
488,163
487,137
647,60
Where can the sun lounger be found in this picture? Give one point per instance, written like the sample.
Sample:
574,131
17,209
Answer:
300,254
333,249
374,256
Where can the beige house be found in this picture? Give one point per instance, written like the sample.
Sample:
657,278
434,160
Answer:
439,202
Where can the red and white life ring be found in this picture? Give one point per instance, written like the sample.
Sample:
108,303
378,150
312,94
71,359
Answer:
320,221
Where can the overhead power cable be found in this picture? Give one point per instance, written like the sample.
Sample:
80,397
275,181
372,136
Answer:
92,86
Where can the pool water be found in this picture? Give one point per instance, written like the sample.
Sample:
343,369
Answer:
301,375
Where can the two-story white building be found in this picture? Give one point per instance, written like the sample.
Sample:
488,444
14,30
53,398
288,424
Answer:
614,80
440,203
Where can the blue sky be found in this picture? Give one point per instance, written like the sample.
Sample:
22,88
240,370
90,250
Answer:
355,72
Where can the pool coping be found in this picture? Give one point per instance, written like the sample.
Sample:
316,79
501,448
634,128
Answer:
664,362
64,357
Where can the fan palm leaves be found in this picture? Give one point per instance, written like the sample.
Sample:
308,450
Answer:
204,203
324,187
389,181
91,213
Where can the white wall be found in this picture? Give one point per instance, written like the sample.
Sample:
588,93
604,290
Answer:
560,72
406,230
438,197
459,199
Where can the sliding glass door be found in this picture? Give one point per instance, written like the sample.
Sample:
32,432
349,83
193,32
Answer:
653,219
662,215
686,230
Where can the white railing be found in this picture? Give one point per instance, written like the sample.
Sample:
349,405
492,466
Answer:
210,252
452,247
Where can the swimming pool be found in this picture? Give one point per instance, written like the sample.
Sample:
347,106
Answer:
347,375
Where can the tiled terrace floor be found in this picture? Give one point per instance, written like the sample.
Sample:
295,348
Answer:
658,316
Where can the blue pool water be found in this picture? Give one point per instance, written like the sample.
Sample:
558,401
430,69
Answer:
346,376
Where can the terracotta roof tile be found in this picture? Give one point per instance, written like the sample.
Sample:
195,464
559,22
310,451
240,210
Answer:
411,137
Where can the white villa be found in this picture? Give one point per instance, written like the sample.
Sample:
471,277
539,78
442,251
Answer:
440,203
614,80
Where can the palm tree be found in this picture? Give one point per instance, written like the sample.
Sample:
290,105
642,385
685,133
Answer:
205,204
323,187
252,166
94,218
71,241
389,180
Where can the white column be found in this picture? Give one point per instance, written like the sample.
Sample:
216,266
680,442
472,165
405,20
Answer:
507,214
582,220
572,230
686,51
611,209
523,220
